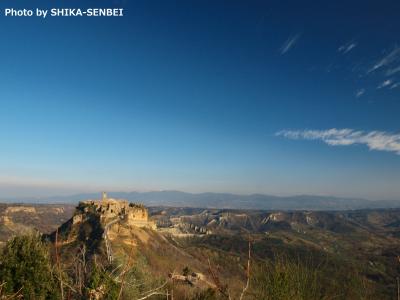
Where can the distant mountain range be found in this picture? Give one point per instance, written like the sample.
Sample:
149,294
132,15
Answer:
225,200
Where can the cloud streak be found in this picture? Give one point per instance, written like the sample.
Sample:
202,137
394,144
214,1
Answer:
360,92
290,42
385,84
387,60
395,85
390,72
374,140
347,47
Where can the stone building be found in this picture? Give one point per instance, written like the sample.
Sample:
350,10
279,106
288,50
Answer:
110,210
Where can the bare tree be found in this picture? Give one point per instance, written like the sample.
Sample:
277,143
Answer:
245,288
125,271
223,289
59,266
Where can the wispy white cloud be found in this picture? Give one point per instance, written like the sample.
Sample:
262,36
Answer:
290,42
374,140
360,92
390,72
387,60
347,47
385,84
395,85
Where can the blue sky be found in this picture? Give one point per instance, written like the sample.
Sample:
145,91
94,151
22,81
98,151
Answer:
276,97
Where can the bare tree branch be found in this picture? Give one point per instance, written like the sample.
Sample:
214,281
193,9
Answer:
247,273
16,295
152,294
222,289
128,265
59,267
154,291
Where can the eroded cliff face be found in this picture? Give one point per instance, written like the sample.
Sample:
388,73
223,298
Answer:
18,219
213,221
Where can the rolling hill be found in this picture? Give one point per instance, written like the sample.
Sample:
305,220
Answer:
226,200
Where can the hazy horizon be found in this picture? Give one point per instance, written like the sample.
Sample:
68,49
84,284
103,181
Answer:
56,193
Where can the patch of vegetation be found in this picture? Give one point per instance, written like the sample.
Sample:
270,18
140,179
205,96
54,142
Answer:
25,268
288,278
102,284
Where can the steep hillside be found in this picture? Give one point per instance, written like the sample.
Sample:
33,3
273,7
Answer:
21,218
102,233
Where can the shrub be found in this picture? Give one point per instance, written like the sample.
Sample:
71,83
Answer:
208,294
289,278
285,279
25,266
101,283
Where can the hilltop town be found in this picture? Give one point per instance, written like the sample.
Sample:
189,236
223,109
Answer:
112,210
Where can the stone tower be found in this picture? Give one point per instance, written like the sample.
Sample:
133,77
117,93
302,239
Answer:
104,196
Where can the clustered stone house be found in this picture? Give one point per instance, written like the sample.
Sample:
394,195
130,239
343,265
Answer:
111,209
